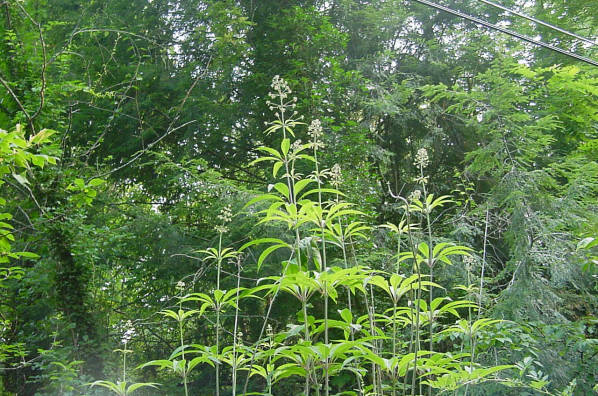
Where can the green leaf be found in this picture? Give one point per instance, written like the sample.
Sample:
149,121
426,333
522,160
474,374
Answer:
282,189
96,182
136,386
271,151
285,145
21,179
276,168
28,255
261,241
41,136
301,184
267,252
587,243
262,197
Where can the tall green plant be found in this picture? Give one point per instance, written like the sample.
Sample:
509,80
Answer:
324,346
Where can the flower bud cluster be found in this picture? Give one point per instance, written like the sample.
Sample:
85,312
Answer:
180,286
336,176
469,261
415,195
421,158
129,332
315,132
280,103
296,145
226,214
281,88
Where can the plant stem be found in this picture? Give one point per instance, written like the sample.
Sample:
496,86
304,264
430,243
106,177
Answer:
417,309
394,337
307,338
219,263
430,263
183,350
473,339
270,305
324,269
483,265
125,364
349,305
235,328
371,321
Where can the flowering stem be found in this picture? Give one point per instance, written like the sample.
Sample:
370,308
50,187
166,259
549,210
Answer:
430,260
324,268
125,363
183,349
219,262
235,336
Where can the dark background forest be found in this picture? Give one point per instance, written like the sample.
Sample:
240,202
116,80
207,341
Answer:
139,121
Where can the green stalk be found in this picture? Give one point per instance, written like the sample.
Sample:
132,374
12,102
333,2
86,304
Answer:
471,342
371,320
430,264
183,350
349,305
378,345
219,263
416,301
394,311
411,335
125,364
324,268
417,309
354,256
270,305
394,337
473,338
235,329
307,337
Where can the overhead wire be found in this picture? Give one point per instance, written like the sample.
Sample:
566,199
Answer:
508,32
540,22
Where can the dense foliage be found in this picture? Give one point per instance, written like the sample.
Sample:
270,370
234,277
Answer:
296,197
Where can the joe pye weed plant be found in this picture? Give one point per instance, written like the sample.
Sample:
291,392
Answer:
359,330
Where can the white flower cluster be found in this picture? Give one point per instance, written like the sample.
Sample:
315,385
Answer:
315,132
421,158
469,261
415,195
180,285
296,145
129,332
336,176
226,214
281,88
282,105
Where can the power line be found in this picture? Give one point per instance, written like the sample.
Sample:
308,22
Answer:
509,32
530,18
